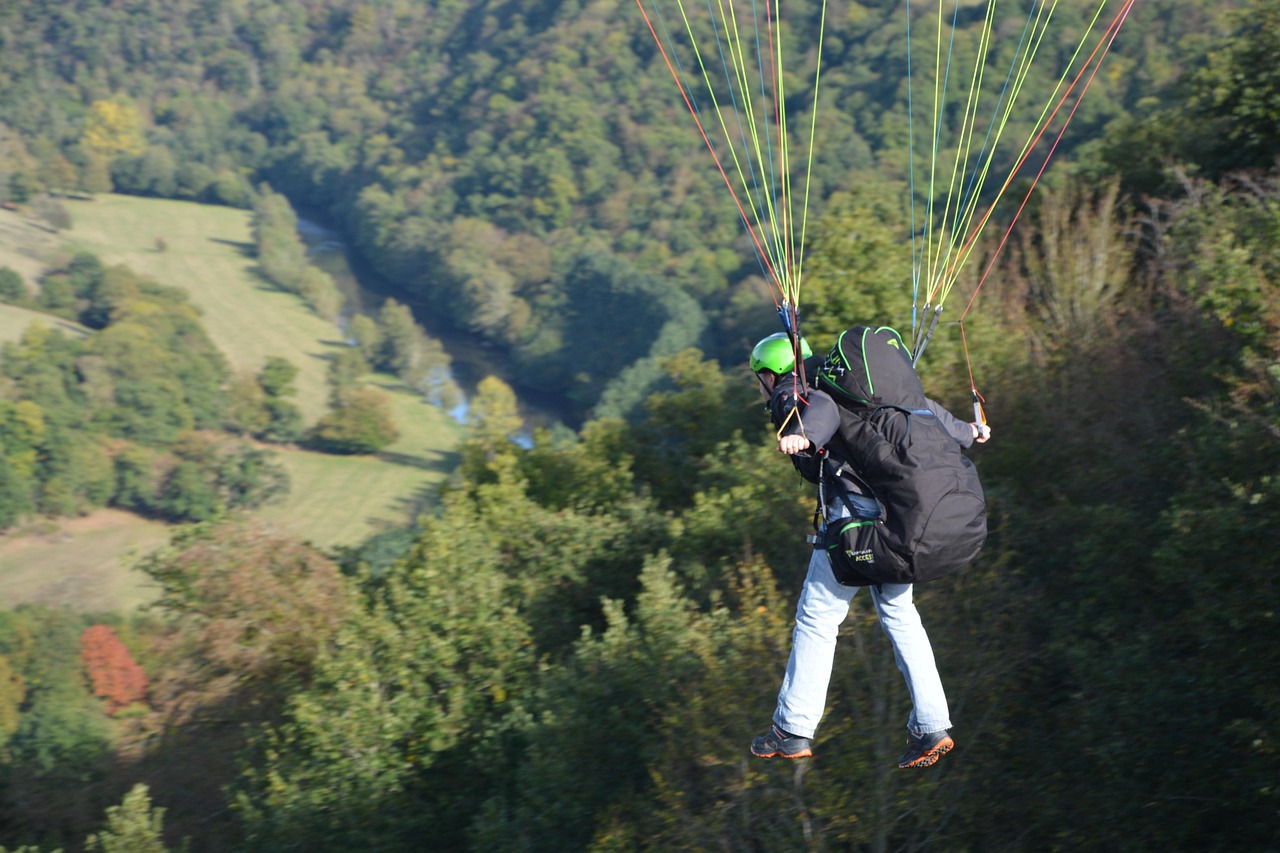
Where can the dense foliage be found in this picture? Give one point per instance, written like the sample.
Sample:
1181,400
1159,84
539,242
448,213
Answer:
573,649
496,161
282,256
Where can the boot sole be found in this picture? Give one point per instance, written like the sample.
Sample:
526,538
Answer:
931,757
808,753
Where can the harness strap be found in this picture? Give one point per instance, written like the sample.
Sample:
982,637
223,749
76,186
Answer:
837,474
821,512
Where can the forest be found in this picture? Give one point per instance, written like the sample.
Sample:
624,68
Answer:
571,648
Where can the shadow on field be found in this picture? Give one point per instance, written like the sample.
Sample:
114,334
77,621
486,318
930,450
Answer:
64,326
245,250
262,282
414,504
443,462
325,356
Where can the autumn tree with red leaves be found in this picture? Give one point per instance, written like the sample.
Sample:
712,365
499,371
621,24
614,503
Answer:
114,675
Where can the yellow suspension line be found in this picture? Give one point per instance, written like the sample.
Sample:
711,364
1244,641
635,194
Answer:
1041,121
968,127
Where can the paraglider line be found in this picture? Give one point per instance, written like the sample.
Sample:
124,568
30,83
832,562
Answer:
1113,30
765,259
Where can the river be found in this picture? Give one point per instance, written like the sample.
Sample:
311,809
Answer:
364,292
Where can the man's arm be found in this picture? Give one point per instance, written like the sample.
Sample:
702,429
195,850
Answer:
812,425
964,433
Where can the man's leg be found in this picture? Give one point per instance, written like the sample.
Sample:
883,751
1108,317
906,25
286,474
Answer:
930,717
823,605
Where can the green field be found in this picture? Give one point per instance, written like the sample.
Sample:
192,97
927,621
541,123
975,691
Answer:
209,253
334,500
24,245
14,321
82,563
25,248
340,500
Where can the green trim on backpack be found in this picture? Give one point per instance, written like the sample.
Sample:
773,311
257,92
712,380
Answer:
831,384
859,523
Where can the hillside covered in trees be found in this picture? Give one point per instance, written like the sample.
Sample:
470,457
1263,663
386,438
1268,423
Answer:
463,150
571,650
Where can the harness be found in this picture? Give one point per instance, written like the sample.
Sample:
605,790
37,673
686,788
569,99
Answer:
831,475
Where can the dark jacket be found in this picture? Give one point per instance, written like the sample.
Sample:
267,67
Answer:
913,501
819,421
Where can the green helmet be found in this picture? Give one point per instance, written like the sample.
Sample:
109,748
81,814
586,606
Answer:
776,353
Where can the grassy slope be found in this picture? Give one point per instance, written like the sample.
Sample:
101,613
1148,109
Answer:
334,500
24,246
210,254
81,563
14,321
340,500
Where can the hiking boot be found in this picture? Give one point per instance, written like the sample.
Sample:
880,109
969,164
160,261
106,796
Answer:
925,749
776,743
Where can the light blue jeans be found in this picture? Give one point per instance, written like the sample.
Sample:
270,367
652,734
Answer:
823,606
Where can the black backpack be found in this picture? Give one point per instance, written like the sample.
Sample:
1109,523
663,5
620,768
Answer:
934,519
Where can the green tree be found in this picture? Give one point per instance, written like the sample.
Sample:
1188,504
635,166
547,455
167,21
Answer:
1241,89
284,419
693,409
22,430
493,414
196,181
134,826
249,477
13,289
109,294
861,266
282,256
600,341
188,493
400,337
366,335
667,672
277,377
17,166
153,172
408,352
167,373
135,479
318,289
247,406
84,269
409,692
346,368
13,691
57,296
484,290
361,422
63,738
